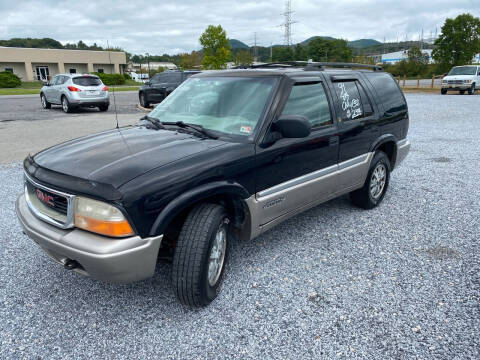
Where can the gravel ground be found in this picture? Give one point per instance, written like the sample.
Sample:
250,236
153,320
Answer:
401,281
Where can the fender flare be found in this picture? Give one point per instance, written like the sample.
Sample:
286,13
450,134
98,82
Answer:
382,140
192,196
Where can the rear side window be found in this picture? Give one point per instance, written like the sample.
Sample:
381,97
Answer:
388,92
87,81
354,102
310,101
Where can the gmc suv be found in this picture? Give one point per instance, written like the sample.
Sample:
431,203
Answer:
227,156
161,85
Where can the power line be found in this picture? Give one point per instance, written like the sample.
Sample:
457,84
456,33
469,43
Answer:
287,36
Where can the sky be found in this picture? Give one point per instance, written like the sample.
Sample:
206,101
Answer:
172,27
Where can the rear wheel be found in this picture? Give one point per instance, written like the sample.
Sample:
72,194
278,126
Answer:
443,91
44,101
143,100
200,255
66,105
471,91
375,187
103,107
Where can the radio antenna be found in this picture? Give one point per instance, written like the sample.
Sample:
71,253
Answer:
113,88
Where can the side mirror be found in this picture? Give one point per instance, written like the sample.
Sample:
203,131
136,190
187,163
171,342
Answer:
46,83
293,126
148,82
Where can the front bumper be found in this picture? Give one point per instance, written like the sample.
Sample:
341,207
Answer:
403,148
456,87
113,260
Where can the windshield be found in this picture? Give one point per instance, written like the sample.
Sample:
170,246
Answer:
230,105
86,81
463,70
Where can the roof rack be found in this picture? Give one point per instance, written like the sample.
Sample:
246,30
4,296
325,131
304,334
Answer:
315,66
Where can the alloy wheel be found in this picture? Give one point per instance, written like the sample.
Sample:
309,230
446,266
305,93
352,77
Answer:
378,181
217,255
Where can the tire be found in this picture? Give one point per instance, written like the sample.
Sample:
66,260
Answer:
462,92
66,107
443,91
143,100
193,283
44,101
471,91
370,196
103,108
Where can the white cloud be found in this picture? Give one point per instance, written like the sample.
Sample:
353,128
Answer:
169,27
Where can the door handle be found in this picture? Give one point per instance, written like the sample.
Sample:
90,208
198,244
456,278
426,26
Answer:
334,140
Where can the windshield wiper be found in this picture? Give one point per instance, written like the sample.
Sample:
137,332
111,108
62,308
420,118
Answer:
198,128
154,121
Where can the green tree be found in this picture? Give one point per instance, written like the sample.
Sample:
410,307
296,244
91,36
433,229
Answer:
282,53
244,57
300,53
216,48
192,60
417,62
458,42
320,49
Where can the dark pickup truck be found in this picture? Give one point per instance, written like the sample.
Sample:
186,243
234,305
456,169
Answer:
227,156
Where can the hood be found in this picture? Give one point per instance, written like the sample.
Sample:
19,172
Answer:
458,77
117,156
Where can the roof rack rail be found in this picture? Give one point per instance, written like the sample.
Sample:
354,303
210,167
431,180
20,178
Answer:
318,66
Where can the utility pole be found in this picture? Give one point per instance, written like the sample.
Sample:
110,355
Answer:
271,52
421,41
255,52
148,64
287,36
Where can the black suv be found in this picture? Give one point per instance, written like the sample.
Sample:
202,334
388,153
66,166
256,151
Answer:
161,85
227,156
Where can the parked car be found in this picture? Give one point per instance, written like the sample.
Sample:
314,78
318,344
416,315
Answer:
72,91
227,156
462,78
161,85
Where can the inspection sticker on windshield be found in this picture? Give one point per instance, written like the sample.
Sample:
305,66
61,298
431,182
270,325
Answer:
245,129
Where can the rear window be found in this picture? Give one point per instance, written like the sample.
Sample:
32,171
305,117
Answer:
388,92
87,81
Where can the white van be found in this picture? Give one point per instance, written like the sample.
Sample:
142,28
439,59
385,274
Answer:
462,78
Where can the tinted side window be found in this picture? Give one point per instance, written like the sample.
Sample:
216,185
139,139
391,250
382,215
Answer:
388,92
177,77
350,100
157,79
310,101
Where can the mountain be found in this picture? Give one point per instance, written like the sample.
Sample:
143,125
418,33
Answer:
305,42
237,44
363,43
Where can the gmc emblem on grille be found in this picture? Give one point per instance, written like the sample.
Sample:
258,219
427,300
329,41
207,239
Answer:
47,199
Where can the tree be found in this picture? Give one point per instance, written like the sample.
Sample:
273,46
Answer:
320,49
282,53
458,42
216,47
243,58
417,62
300,53
192,60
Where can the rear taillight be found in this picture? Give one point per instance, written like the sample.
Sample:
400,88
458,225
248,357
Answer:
73,88
105,88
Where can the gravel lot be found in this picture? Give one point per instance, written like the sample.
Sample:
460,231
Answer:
401,281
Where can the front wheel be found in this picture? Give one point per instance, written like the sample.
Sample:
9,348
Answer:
471,91
143,100
45,103
103,108
376,184
443,91
462,92
200,255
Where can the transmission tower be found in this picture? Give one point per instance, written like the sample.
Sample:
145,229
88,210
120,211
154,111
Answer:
287,36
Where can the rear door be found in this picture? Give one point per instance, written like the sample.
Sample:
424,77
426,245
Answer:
293,173
50,90
357,127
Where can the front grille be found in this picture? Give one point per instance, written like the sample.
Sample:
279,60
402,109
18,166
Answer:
455,81
52,206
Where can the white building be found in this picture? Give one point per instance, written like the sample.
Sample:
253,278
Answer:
394,57
152,65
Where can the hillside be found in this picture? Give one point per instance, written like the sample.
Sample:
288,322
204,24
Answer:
363,43
237,44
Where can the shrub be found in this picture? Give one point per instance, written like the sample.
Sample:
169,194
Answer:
9,80
127,76
111,79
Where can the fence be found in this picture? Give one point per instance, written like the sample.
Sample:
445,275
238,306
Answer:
434,83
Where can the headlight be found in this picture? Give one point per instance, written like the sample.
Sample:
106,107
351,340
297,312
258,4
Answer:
444,81
467,81
100,218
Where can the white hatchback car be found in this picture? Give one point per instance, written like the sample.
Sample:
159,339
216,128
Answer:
75,90
462,78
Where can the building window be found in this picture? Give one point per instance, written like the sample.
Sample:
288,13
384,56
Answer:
100,70
10,70
72,70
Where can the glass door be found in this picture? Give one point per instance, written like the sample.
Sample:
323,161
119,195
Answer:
42,73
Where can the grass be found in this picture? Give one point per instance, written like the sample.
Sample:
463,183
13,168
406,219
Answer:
32,88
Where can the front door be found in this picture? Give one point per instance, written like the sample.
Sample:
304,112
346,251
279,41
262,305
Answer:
293,173
42,73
